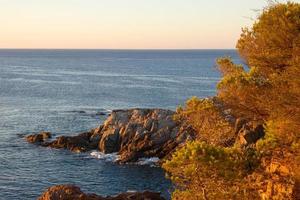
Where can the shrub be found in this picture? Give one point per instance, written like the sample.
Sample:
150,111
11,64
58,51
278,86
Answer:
203,171
207,119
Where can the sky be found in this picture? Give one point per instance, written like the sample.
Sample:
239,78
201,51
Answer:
125,24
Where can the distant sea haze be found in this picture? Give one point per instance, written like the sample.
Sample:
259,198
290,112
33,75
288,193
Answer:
69,91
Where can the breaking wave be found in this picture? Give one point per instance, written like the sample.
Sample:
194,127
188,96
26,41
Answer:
148,161
113,157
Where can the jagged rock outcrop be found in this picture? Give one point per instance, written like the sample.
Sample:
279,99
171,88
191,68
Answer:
140,133
38,138
79,143
71,192
133,133
83,142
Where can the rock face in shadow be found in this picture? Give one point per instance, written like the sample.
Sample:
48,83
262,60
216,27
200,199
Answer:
248,132
83,142
71,192
133,133
79,143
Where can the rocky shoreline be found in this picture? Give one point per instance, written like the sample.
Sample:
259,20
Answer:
133,134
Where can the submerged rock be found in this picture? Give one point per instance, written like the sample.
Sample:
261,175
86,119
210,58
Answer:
133,134
71,192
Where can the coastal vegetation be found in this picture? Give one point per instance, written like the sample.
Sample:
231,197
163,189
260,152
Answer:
247,137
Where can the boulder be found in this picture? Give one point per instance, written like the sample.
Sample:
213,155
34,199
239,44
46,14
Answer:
38,138
71,192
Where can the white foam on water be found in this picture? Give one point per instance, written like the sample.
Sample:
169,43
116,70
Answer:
112,157
131,191
148,161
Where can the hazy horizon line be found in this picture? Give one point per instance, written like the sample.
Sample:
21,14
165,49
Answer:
127,49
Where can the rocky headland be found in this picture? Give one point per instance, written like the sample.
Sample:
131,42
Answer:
133,134
141,133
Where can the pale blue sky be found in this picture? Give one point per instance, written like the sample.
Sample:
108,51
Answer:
138,24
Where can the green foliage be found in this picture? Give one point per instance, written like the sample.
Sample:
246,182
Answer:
216,171
269,142
241,91
271,44
210,129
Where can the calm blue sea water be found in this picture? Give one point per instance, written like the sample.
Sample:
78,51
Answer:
61,90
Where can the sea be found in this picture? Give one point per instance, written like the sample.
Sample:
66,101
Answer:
71,91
